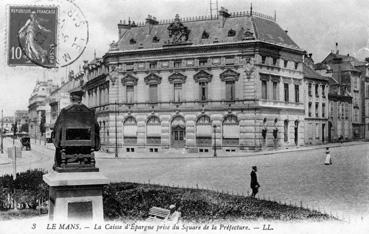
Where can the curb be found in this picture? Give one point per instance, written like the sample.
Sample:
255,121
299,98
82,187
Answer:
260,153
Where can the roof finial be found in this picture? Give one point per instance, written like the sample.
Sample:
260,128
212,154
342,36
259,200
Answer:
94,53
250,9
275,15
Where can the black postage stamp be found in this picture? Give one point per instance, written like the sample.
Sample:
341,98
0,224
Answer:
32,36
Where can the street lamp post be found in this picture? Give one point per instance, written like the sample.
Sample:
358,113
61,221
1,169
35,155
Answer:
215,140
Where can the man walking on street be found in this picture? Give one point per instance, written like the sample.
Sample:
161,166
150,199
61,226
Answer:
254,182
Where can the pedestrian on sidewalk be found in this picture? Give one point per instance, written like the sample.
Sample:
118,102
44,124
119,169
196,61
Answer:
254,182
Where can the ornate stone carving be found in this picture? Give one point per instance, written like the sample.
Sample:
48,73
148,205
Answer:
152,79
129,80
229,75
177,78
178,32
202,76
249,67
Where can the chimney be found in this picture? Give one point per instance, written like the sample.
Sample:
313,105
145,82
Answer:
223,15
337,51
150,22
123,28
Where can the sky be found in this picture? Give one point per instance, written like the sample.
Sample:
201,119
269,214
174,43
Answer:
315,25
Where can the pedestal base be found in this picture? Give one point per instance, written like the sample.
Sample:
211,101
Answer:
75,195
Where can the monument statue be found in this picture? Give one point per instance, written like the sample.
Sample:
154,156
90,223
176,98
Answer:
76,137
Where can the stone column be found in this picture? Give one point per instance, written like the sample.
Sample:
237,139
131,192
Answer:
190,132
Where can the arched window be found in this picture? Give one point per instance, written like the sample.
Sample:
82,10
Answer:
153,131
231,131
203,131
130,131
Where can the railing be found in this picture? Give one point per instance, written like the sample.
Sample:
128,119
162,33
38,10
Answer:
214,17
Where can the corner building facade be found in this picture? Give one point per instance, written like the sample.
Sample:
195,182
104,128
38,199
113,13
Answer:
233,81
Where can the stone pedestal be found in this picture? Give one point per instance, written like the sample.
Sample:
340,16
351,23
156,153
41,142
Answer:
75,195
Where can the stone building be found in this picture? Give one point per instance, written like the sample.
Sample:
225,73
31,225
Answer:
350,75
234,81
316,104
37,105
7,122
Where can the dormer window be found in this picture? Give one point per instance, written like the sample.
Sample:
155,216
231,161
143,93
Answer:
132,41
205,35
231,33
155,39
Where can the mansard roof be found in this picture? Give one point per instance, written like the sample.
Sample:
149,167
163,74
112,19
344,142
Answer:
241,26
312,74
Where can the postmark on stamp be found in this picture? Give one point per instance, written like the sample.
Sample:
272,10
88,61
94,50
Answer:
50,36
32,35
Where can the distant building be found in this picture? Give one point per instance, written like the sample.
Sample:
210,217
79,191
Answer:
235,80
8,122
21,116
349,74
37,105
316,104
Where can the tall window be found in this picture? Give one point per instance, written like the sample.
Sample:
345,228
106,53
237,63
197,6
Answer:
286,93
316,109
263,59
264,89
316,90
275,85
230,90
310,106
153,93
347,110
177,92
129,94
309,90
297,93
203,91
323,110
323,91
286,131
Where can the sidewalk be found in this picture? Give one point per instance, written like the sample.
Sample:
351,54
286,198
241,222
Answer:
220,154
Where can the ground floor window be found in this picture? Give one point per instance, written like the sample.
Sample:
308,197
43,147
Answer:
231,131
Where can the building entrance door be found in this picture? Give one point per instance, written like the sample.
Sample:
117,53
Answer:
178,137
323,132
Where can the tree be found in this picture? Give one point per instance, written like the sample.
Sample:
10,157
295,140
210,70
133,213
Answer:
42,123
